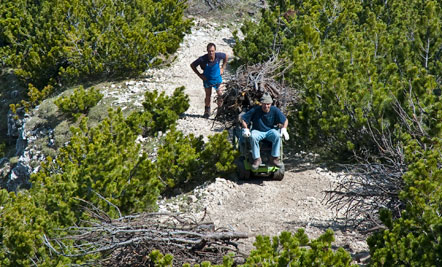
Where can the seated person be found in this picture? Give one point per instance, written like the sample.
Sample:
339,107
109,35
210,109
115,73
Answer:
263,119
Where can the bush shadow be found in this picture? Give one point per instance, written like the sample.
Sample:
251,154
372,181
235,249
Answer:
257,180
230,41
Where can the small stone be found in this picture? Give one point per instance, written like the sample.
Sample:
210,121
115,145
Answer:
192,199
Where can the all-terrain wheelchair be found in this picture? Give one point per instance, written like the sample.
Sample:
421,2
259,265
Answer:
245,160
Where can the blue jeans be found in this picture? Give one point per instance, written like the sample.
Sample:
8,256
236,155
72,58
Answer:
272,135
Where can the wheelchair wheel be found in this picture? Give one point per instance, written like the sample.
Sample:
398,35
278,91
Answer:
243,174
279,174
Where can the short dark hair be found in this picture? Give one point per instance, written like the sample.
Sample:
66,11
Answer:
210,45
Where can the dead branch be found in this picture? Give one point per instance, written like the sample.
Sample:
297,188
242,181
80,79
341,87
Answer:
178,234
363,189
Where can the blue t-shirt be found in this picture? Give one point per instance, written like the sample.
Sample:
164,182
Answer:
202,61
264,121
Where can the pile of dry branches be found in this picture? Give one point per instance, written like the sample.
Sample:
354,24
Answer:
247,87
128,240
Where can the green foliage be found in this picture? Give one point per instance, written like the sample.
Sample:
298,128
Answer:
100,162
178,159
415,238
22,224
52,43
218,155
291,250
353,62
160,111
258,44
185,161
105,168
79,102
288,249
160,260
48,41
35,97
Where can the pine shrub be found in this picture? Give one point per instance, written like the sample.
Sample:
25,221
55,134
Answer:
186,161
287,249
65,40
291,250
22,225
160,111
59,43
414,239
353,62
104,168
79,102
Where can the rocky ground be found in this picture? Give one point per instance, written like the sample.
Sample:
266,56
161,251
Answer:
259,206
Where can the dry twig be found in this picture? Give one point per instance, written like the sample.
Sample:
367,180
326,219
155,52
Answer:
128,240
375,183
363,190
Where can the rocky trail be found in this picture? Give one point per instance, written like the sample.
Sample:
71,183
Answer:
259,206
255,207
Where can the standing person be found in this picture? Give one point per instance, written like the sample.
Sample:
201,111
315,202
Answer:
211,75
263,119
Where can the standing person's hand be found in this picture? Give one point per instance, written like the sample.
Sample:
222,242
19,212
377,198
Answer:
222,71
203,77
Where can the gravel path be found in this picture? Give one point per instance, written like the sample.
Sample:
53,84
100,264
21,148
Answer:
257,207
180,74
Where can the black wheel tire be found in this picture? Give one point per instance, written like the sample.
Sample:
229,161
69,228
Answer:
279,174
242,172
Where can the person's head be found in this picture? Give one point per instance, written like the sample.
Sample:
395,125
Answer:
266,102
211,48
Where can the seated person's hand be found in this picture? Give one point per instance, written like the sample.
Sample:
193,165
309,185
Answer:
284,134
246,132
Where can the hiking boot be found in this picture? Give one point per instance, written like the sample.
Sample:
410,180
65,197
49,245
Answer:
275,162
256,164
206,112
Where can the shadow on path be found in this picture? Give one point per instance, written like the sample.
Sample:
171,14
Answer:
185,115
257,180
230,41
340,224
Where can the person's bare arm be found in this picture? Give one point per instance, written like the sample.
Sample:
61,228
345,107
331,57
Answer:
223,67
286,123
243,124
197,72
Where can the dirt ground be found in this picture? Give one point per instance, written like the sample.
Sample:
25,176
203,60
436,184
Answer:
258,206
255,207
